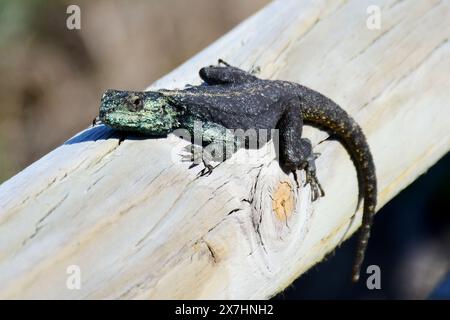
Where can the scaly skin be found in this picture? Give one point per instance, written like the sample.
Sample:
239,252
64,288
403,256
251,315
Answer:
231,98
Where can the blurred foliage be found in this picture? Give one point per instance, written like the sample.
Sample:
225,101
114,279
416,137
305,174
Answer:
17,18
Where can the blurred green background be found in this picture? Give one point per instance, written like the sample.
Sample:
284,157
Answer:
52,78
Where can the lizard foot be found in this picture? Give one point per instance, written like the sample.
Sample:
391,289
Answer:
197,155
311,178
255,70
207,159
96,121
316,188
220,61
206,171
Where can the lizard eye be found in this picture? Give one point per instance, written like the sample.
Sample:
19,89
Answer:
136,104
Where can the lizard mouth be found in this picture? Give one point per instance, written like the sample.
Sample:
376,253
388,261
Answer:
119,120
133,122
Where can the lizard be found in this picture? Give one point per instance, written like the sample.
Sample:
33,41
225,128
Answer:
231,98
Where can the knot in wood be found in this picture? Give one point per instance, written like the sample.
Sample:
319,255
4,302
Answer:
283,201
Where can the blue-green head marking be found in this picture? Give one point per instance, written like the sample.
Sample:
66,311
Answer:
147,112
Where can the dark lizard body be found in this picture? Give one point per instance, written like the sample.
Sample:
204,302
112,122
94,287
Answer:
234,99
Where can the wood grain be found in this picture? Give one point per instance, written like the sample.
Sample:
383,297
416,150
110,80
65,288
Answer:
141,225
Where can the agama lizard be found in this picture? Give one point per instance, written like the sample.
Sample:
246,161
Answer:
231,98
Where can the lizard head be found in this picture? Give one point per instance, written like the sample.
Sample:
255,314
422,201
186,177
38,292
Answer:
147,112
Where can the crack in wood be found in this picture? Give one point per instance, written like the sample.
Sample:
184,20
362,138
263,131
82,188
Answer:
39,225
211,252
374,41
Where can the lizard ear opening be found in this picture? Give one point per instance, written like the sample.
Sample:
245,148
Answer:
135,104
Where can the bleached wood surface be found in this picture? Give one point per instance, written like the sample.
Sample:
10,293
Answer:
139,224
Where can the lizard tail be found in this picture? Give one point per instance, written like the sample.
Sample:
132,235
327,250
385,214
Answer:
328,116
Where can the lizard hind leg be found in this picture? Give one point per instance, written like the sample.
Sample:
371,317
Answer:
254,70
226,74
296,153
303,158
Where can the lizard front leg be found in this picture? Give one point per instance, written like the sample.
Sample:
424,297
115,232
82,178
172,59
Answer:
96,121
196,154
217,145
214,152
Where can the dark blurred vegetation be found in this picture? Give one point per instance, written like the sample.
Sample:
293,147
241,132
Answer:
51,80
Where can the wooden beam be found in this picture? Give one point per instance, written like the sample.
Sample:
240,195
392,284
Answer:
137,223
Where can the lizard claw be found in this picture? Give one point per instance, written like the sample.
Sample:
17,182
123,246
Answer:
196,155
96,121
220,61
316,189
311,178
206,171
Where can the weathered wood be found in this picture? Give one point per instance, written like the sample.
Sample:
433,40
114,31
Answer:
140,224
